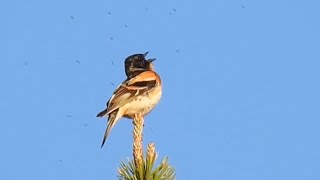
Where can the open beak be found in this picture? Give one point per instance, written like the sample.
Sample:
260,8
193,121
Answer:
151,60
145,54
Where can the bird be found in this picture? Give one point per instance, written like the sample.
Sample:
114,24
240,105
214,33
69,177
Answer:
137,95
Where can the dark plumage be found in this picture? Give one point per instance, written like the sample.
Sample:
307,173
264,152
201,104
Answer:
136,64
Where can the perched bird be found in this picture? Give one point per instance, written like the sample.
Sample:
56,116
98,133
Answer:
138,94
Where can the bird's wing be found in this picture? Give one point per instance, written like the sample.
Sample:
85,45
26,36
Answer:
130,89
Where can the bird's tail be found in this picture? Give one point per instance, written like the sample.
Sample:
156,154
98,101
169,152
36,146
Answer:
112,120
102,113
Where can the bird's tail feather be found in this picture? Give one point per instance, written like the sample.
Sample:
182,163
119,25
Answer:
102,113
112,120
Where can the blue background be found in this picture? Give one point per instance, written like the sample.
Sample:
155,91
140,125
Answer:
240,79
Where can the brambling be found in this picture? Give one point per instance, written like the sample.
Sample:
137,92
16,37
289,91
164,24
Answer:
137,95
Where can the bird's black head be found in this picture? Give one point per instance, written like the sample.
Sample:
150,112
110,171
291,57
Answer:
136,63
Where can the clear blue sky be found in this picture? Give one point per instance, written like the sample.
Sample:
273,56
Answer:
240,78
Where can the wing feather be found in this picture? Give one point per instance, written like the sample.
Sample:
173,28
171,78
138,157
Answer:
130,89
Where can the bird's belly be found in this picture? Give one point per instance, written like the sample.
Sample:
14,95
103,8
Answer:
142,104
